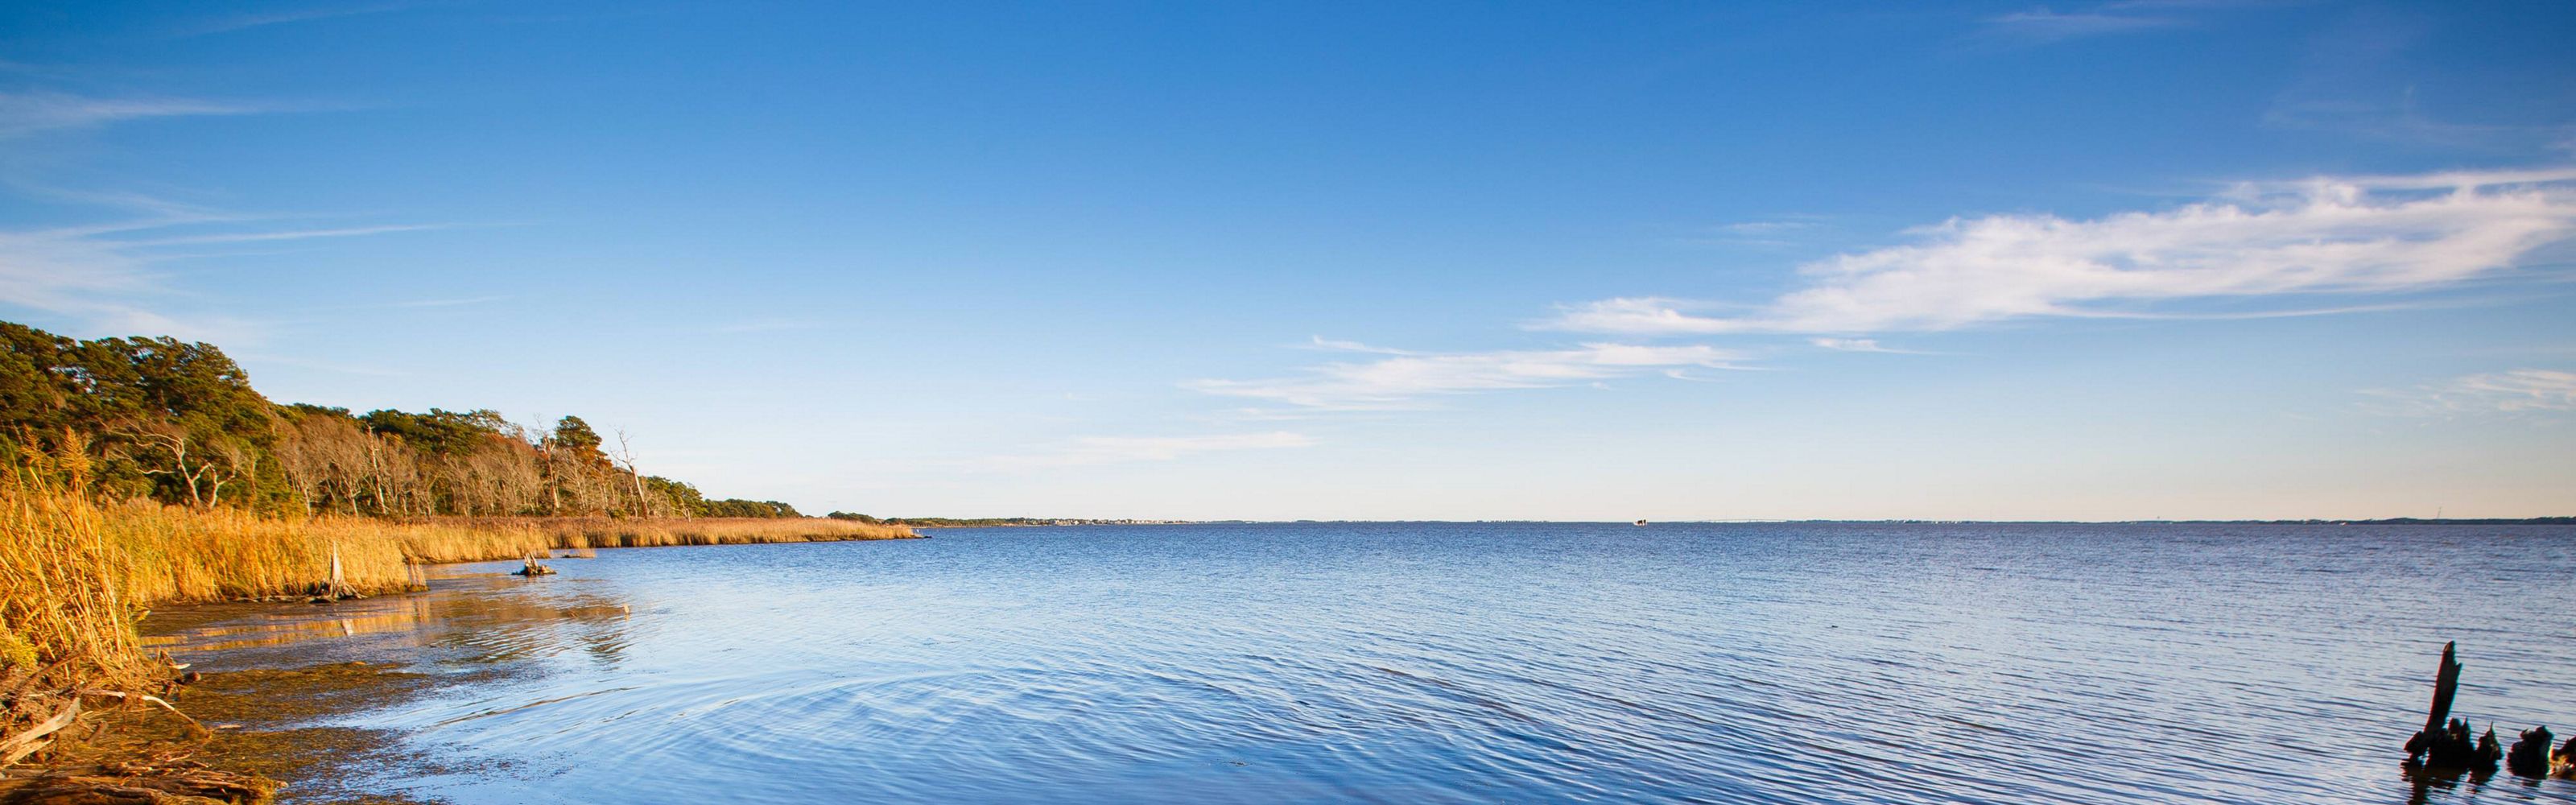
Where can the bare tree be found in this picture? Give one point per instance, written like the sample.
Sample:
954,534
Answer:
240,460
306,463
202,471
536,437
509,477
626,458
344,452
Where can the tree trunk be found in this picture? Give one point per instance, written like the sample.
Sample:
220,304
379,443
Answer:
2446,684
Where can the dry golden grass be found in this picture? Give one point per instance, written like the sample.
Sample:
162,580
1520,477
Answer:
74,574
60,597
175,554
610,532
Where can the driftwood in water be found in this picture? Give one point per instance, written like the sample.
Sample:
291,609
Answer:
178,782
529,566
2444,742
17,747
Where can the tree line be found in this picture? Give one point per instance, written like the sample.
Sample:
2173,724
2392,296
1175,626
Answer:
178,422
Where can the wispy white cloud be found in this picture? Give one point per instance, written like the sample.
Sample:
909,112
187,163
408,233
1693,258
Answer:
1409,380
1858,345
24,113
2041,25
1337,345
1766,227
1785,230
454,302
72,271
105,277
767,325
2518,391
2366,235
1089,450
291,234
240,22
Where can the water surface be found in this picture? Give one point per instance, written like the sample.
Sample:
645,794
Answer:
1408,662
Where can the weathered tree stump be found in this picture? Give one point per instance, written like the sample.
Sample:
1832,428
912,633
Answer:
2444,743
529,566
2530,756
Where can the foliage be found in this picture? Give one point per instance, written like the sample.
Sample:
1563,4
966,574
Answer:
156,419
737,507
960,522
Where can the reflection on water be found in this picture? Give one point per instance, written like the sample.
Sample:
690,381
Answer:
1469,663
471,614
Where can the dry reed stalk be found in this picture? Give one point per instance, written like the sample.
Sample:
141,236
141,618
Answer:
614,532
75,574
59,597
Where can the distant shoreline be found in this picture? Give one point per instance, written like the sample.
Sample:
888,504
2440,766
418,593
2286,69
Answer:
1018,522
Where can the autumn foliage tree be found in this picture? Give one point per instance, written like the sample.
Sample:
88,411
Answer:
176,422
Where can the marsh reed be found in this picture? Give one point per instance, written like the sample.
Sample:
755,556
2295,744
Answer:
626,532
63,606
75,574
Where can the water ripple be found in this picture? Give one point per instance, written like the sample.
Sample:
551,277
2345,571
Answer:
1410,663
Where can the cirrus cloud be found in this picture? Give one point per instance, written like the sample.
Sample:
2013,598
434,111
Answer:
1406,380
2041,26
2517,391
2355,236
30,112
105,276
1089,450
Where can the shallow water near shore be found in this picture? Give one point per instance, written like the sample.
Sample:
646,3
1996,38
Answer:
1408,662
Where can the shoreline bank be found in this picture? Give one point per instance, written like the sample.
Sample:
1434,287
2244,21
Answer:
77,577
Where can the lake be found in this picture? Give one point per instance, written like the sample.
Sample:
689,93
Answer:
1465,662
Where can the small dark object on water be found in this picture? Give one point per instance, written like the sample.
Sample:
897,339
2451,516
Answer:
2445,745
529,566
2530,756
2451,749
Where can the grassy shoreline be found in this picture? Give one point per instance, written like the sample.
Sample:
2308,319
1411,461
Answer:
175,555
77,575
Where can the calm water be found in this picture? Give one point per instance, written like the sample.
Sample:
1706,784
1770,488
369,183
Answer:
1474,663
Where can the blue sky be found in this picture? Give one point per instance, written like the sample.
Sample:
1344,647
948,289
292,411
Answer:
1567,261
